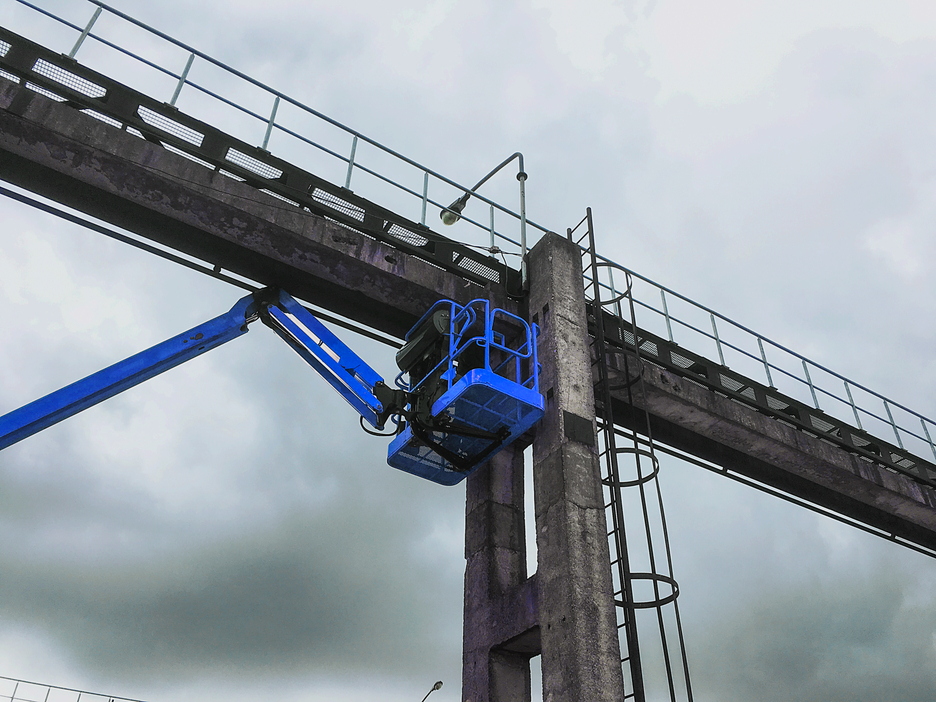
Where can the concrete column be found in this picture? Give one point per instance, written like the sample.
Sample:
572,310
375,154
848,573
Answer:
500,635
578,629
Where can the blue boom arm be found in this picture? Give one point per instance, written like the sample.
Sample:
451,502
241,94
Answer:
344,370
458,410
359,384
62,404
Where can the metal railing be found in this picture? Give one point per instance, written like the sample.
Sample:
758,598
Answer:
275,122
343,155
704,331
13,690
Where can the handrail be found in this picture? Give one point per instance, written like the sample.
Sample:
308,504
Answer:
676,324
269,123
845,404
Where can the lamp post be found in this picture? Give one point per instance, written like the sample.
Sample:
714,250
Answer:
437,686
452,213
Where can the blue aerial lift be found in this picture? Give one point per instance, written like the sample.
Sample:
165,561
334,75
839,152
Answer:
468,383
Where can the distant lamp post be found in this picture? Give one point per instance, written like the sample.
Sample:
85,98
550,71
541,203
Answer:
452,213
437,686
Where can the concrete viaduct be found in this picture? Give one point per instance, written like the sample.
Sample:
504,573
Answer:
565,611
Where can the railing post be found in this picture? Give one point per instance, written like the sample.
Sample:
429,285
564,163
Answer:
347,182
493,245
853,406
928,437
893,424
84,34
182,78
425,197
811,388
763,356
614,295
269,129
669,328
521,176
721,356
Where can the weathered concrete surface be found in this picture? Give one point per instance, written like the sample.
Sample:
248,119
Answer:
705,424
60,153
578,629
500,632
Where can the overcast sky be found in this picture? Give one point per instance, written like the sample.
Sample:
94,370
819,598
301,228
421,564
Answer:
226,531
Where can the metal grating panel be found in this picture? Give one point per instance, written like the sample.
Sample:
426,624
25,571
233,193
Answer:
406,235
478,268
336,203
135,132
185,154
170,126
774,403
4,47
729,383
649,347
68,79
902,461
252,164
738,387
821,424
104,118
684,362
9,76
42,91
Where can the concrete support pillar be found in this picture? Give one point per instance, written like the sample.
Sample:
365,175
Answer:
578,627
500,634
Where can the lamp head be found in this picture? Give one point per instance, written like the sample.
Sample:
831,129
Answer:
437,686
452,213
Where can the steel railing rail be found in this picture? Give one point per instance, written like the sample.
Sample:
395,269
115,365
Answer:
16,690
845,404
757,353
269,122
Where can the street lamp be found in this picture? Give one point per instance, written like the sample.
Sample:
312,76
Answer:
437,686
452,213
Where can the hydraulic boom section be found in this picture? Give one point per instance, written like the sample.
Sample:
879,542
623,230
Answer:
472,383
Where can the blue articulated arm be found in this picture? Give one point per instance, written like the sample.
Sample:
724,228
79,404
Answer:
355,381
447,423
62,404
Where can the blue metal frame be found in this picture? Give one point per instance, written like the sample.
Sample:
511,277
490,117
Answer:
479,411
62,404
483,409
344,370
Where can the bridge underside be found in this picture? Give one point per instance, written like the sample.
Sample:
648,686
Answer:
715,428
58,152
